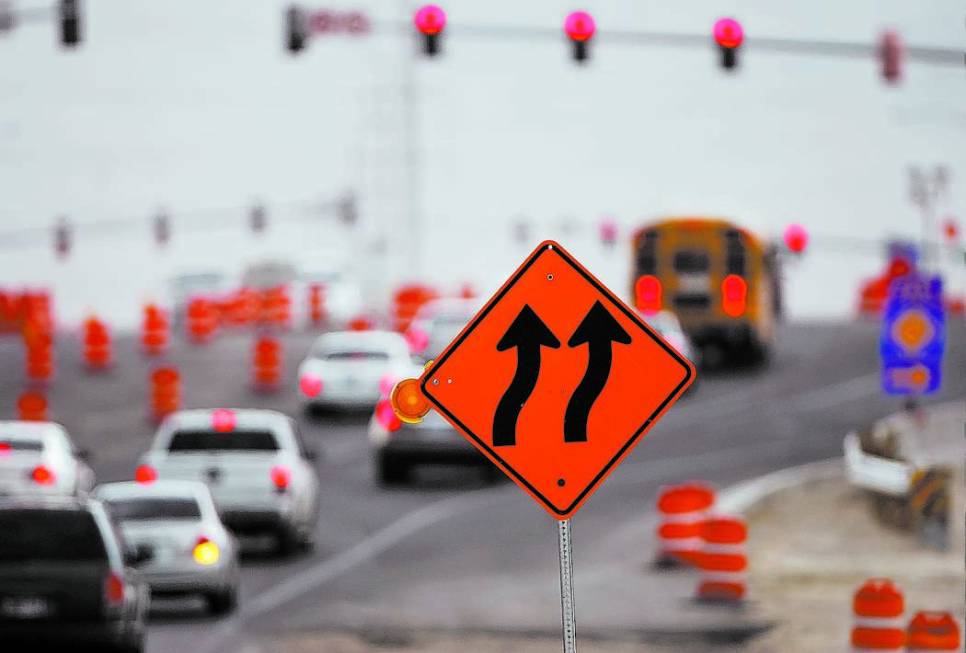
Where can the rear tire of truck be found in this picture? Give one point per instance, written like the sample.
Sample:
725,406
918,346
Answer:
220,603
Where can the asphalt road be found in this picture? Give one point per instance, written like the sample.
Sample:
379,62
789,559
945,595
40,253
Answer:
452,551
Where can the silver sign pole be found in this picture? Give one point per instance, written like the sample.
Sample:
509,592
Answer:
567,587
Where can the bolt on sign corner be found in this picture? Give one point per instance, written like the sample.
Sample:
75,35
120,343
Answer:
556,379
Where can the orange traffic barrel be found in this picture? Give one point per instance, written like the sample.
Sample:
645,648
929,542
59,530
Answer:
38,339
202,320
933,631
682,510
877,622
317,303
723,561
267,363
165,391
360,323
154,331
97,344
32,406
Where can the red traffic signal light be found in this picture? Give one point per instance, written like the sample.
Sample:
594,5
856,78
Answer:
580,27
891,53
430,21
729,35
796,238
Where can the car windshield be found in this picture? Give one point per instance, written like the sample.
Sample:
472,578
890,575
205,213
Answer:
145,508
354,355
49,535
236,440
19,445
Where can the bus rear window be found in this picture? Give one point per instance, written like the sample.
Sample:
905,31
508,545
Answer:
236,440
691,261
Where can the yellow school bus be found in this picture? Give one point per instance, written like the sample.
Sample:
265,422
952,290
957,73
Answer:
721,280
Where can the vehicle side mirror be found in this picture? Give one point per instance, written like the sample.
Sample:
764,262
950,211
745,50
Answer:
138,555
83,454
311,454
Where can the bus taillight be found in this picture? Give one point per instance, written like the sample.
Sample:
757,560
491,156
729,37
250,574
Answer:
647,293
734,295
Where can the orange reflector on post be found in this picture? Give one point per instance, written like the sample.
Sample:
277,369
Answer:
408,401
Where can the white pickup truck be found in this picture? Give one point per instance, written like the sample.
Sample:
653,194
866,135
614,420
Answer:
261,475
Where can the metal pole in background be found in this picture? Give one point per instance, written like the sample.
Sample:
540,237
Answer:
567,587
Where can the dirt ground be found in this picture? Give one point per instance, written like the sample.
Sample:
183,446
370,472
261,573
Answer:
811,547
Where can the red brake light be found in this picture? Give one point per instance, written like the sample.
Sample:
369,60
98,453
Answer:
647,291
734,294
223,420
281,477
42,475
310,385
145,474
114,589
5,448
387,416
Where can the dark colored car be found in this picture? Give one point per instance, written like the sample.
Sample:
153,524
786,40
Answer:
398,447
66,578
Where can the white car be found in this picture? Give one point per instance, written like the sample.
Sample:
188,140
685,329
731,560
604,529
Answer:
354,369
260,472
437,323
667,324
39,458
187,549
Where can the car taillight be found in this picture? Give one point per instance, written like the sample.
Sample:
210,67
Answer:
281,476
647,292
205,552
145,474
223,420
310,385
5,448
734,294
114,589
386,416
42,475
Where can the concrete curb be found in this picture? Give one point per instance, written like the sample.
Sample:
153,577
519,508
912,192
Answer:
742,497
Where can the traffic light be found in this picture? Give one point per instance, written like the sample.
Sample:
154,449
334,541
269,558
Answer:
296,31
162,228
796,238
580,27
70,23
62,238
348,210
891,54
728,34
430,21
258,218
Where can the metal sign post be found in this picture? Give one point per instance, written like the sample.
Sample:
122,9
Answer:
567,587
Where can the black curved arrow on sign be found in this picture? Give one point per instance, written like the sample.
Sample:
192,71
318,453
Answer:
527,333
599,330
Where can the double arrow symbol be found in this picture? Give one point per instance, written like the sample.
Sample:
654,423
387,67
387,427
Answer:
528,333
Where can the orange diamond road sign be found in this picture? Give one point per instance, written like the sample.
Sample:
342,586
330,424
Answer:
556,379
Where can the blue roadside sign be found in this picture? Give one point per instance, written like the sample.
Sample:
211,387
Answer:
913,336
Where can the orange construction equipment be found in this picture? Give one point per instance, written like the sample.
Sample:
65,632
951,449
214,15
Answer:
683,509
38,339
154,331
97,344
317,313
723,561
32,406
202,320
933,631
165,391
878,608
267,363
